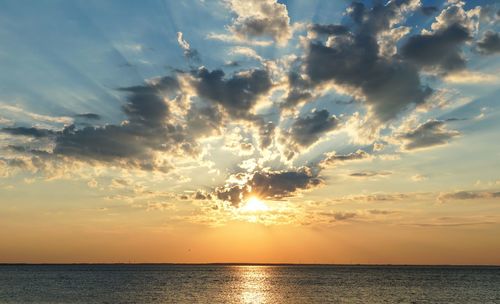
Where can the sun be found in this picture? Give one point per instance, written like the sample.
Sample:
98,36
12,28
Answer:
254,204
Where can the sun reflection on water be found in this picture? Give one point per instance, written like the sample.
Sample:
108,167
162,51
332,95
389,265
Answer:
254,285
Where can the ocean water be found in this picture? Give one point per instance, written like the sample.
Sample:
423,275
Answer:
247,284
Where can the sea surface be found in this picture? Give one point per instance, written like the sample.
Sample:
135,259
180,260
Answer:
247,284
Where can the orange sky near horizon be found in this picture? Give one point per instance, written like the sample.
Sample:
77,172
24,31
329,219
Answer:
250,131
369,243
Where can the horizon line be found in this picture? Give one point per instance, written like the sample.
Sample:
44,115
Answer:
245,264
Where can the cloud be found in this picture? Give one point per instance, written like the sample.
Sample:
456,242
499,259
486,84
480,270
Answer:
389,85
260,19
382,197
466,77
237,40
342,216
89,116
333,158
279,184
201,195
166,117
267,184
419,178
146,105
299,90
455,14
329,29
183,43
266,132
429,10
429,134
307,130
468,195
489,43
160,123
16,110
189,53
439,50
237,94
381,212
456,222
31,131
203,120
245,51
370,173
9,166
5,121
159,206
135,142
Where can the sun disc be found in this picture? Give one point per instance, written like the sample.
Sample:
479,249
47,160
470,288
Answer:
254,204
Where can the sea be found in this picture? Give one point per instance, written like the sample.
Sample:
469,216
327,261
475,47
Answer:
126,283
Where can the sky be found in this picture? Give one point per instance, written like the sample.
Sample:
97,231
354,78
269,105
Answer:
260,131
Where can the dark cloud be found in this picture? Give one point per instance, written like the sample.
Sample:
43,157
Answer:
299,90
439,50
489,43
390,85
379,17
232,194
150,126
89,116
370,173
133,143
429,10
381,212
333,158
146,106
237,94
295,97
31,131
22,149
357,11
339,216
268,185
329,29
468,195
193,55
343,216
428,134
280,184
307,130
203,120
201,195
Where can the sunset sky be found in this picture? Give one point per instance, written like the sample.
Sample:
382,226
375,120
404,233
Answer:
301,131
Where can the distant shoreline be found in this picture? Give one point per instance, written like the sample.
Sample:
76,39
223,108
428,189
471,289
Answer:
254,264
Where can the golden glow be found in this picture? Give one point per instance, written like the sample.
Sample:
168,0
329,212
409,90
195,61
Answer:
253,285
254,204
